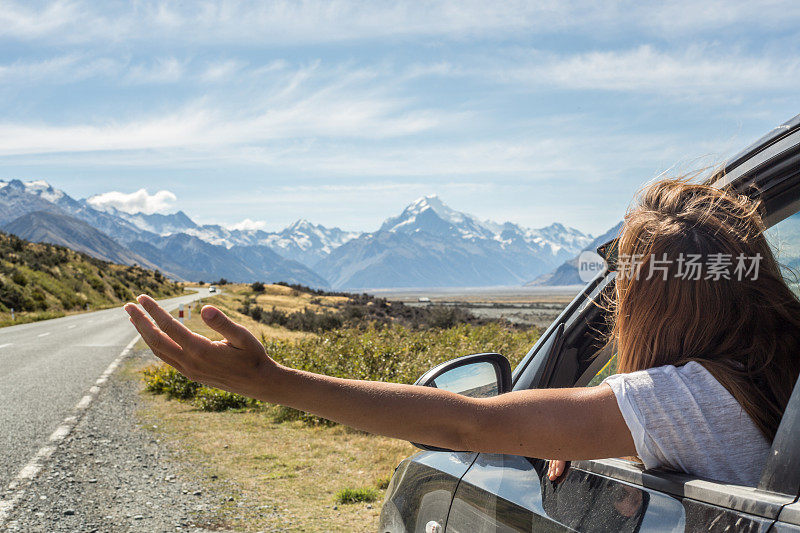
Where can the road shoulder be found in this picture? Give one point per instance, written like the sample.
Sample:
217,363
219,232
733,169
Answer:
114,473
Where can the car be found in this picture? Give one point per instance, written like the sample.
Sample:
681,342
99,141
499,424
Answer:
212,289
438,490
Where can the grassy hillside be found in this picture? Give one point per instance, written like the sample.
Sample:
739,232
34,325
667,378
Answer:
41,281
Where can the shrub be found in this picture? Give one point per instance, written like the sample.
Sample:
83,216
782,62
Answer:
121,291
349,495
210,399
282,413
96,283
391,353
12,297
258,287
163,379
19,278
396,353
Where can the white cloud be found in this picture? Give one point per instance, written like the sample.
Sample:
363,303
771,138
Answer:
300,105
255,22
161,70
221,71
697,71
136,202
59,70
247,224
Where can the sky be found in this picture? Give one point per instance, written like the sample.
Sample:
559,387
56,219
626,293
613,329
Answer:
255,114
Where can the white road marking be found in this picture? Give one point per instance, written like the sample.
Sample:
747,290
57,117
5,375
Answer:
16,489
43,334
6,344
72,326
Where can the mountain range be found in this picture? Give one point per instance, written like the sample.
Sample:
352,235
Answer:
427,245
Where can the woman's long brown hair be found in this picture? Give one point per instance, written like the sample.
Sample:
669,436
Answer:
746,332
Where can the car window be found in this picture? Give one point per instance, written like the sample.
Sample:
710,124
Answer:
784,238
609,369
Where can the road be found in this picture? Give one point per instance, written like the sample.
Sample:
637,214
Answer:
47,367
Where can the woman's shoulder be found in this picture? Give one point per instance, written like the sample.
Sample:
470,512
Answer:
691,372
668,387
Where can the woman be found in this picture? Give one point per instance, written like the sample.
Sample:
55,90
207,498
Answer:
708,361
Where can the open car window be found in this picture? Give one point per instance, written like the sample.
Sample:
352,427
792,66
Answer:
784,238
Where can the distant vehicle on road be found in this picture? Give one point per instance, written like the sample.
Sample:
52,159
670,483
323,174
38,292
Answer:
448,491
212,289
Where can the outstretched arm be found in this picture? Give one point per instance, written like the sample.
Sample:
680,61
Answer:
580,423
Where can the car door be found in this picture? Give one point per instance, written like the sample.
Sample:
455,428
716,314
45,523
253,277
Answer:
421,491
511,493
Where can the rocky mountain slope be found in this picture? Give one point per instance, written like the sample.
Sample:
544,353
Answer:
431,245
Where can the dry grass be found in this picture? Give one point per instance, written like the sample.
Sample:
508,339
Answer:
229,301
285,298
287,474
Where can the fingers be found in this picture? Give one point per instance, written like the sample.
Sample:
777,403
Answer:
166,323
161,355
555,469
236,334
155,338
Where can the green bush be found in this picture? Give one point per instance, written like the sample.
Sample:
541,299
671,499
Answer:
282,413
391,353
210,399
121,291
396,353
348,495
14,298
97,284
258,287
163,379
19,278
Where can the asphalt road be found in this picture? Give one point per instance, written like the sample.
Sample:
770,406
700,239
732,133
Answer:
47,367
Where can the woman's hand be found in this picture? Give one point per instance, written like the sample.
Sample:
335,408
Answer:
237,364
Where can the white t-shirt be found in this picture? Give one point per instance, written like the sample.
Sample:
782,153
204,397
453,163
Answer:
681,418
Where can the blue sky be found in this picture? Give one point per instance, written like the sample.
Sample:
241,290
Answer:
343,112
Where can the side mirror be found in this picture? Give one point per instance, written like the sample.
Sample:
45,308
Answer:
480,375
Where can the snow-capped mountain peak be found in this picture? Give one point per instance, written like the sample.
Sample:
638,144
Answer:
157,223
434,203
39,188
308,242
429,214
300,224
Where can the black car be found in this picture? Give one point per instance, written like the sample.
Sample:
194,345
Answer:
437,490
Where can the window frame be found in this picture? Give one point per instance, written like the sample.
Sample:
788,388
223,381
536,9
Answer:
750,500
